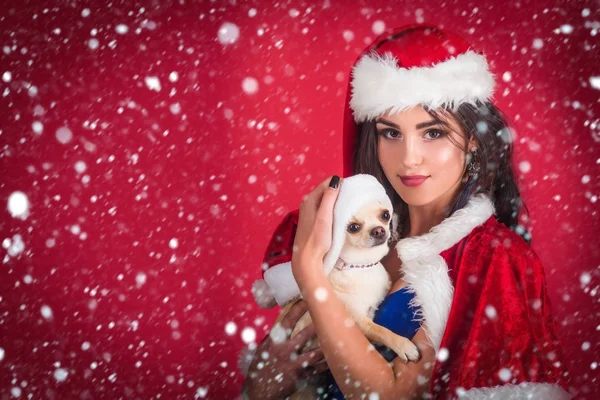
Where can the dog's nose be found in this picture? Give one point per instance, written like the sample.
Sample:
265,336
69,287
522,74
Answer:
378,232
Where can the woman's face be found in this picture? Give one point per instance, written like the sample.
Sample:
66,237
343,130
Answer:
422,158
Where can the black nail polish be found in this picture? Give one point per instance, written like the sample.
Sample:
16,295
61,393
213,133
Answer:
335,181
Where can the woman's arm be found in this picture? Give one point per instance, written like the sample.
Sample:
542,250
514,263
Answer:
356,366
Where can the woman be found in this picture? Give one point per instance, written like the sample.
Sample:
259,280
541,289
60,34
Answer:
419,118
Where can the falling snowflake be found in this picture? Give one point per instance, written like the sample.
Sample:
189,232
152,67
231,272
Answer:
585,346
250,85
490,312
153,83
504,374
321,294
37,127
348,35
228,33
378,27
248,335
64,135
93,43
46,312
525,166
201,393
566,29
61,374
121,29
175,108
18,205
443,354
230,328
278,334
140,279
80,167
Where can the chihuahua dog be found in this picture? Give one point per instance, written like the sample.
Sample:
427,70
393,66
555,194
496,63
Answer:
361,281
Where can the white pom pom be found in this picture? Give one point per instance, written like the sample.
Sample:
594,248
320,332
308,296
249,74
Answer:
263,294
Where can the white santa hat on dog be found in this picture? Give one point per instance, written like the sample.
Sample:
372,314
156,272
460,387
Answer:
356,191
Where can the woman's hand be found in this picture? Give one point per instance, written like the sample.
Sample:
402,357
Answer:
277,364
315,226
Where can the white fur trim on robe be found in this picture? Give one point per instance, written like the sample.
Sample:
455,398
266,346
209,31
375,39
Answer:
522,391
426,272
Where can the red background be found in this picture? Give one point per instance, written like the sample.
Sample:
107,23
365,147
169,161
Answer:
187,175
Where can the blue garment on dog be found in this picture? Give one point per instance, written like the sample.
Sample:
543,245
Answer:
394,313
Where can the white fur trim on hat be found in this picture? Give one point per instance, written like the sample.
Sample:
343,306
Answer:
426,272
522,391
355,192
380,86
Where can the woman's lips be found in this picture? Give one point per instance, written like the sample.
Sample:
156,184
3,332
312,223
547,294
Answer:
413,180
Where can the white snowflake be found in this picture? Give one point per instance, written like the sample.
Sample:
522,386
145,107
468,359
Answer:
228,33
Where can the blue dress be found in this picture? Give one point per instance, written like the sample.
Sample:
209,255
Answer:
393,313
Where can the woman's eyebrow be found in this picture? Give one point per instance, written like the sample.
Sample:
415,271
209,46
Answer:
431,123
420,125
386,122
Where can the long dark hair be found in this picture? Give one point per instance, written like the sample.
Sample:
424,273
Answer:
488,127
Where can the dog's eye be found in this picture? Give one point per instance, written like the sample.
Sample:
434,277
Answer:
385,215
353,228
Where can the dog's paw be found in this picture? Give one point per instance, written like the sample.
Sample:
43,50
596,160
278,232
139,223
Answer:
407,351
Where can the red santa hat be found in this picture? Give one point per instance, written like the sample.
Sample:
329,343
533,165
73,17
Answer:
409,66
279,285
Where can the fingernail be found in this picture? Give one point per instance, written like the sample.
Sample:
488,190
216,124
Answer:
335,181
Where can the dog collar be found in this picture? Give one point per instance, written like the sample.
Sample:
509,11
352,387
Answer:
341,265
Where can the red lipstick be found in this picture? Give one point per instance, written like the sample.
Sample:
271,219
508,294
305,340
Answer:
413,180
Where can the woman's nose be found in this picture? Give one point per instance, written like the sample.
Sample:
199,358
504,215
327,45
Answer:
412,153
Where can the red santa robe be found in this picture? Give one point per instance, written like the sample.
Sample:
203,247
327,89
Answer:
483,303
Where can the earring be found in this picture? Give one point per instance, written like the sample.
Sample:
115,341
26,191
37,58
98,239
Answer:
473,166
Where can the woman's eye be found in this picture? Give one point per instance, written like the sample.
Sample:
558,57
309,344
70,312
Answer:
385,215
353,228
434,134
389,133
